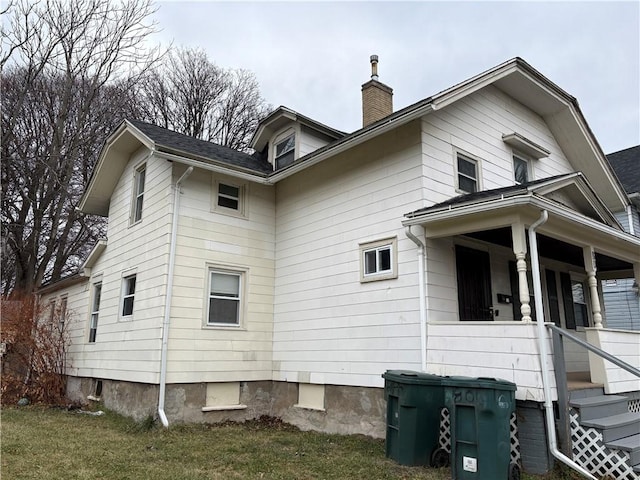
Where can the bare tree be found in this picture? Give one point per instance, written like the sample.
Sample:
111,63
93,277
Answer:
189,94
67,70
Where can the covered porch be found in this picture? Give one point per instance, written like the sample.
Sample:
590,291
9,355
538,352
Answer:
479,309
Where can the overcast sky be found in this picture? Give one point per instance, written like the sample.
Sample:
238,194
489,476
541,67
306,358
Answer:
314,56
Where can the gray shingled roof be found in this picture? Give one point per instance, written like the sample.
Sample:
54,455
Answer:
484,195
626,164
169,140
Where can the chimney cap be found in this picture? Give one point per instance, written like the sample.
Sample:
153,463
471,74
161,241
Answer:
374,67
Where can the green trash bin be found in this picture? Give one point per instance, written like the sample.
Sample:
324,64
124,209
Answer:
414,402
480,410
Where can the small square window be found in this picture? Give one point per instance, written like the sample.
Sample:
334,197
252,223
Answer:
378,260
228,196
128,294
285,152
467,174
224,298
138,194
520,169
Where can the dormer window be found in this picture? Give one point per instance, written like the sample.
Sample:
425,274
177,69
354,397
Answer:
284,152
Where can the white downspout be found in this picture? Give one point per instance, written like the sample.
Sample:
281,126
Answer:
542,346
630,219
423,301
167,308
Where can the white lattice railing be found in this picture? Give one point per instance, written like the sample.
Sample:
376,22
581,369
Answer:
444,438
590,452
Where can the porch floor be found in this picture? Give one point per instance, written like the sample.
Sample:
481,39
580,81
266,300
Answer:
580,381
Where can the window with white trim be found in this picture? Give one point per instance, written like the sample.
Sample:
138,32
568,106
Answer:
228,196
63,313
467,169
95,310
138,193
520,169
128,295
284,153
378,260
224,297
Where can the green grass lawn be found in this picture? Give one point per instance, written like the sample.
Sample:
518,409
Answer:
45,443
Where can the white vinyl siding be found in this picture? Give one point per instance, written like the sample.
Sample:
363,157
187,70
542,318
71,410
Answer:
128,350
199,352
328,326
475,125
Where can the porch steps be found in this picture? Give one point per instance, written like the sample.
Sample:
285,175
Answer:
610,416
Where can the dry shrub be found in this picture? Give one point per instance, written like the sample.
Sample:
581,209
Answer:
34,349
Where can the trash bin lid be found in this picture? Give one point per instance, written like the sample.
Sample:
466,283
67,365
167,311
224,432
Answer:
412,377
479,382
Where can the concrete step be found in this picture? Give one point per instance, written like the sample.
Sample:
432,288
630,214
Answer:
628,444
615,427
600,406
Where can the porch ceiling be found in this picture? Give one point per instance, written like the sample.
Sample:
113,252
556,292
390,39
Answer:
562,237
553,249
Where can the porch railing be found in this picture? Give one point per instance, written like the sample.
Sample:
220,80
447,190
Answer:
564,429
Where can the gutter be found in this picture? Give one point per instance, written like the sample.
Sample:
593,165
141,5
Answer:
245,175
422,295
167,308
542,350
449,212
630,219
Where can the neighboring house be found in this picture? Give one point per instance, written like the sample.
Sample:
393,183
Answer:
621,297
287,282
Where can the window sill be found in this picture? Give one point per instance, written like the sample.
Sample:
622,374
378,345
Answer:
222,326
219,408
309,407
375,278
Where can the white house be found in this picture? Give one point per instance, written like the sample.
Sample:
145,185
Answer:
286,282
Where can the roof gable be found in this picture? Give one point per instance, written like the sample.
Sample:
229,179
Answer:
525,84
283,116
132,135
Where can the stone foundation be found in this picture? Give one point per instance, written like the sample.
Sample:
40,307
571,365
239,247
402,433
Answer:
348,410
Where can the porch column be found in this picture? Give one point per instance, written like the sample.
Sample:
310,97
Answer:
590,266
520,250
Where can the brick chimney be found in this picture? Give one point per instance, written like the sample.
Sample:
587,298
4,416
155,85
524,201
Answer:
377,98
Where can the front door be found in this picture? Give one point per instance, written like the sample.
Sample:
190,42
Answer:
474,284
